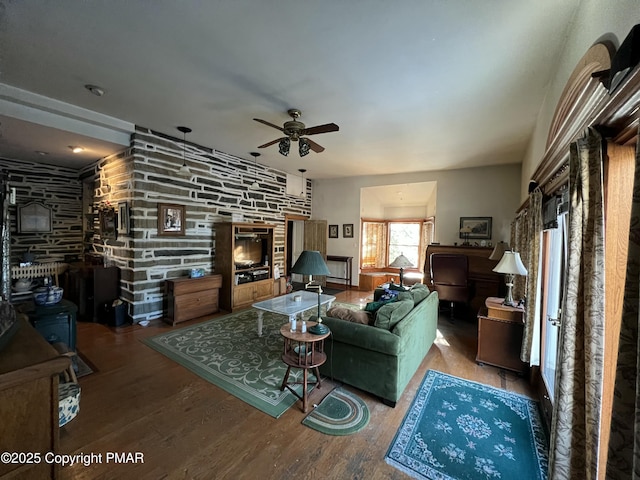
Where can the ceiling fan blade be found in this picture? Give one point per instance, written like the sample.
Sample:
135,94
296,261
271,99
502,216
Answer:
271,143
269,124
326,128
314,146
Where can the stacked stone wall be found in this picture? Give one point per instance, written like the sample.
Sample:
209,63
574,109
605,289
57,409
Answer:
58,189
216,189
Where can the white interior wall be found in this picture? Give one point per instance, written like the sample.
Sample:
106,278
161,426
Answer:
370,207
474,192
432,202
400,213
297,243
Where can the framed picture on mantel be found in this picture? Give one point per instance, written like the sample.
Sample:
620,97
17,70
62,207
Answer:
477,228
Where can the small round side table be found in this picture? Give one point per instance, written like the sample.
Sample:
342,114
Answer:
305,351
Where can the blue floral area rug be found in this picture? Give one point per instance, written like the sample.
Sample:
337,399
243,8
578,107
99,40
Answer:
457,429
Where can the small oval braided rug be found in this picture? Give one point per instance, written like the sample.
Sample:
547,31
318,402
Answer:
340,413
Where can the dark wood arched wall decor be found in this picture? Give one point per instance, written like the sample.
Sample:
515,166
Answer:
586,101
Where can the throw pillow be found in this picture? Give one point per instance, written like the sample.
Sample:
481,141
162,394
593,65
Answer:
355,316
390,315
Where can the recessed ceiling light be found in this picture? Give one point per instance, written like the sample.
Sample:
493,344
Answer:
76,149
95,89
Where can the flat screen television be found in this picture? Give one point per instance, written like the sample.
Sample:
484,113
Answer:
250,251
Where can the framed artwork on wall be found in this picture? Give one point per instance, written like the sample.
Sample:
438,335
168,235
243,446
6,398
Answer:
333,231
123,217
171,219
477,228
108,229
347,230
34,218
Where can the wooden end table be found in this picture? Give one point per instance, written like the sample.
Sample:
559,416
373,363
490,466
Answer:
305,351
500,330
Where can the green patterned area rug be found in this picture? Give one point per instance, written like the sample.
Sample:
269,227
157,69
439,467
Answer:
227,352
457,429
340,413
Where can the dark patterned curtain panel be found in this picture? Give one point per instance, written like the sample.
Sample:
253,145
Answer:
624,444
575,424
519,242
532,263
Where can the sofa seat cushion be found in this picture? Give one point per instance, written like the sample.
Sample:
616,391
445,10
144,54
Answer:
355,316
391,314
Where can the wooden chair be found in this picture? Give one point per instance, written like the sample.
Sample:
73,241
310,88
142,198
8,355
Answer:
450,277
68,388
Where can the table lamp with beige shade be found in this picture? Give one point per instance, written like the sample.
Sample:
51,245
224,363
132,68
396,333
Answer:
510,265
401,262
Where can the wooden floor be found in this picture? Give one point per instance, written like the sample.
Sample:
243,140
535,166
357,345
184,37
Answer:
186,428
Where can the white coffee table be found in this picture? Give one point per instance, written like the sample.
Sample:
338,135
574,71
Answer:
286,305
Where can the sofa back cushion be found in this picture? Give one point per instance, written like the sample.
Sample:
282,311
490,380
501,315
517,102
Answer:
390,314
419,292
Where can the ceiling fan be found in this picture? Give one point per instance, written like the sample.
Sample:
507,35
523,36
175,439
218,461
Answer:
297,131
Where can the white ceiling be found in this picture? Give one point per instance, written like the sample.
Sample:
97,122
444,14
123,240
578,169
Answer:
414,85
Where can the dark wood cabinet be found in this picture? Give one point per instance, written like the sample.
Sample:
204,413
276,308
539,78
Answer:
56,323
189,298
500,330
91,287
29,369
244,258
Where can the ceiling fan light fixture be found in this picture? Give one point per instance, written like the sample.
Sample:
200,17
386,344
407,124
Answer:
304,147
295,131
184,169
284,146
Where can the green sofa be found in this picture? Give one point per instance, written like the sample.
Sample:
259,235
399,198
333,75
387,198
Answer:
382,359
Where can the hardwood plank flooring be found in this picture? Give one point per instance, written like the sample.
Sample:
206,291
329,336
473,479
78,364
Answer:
140,401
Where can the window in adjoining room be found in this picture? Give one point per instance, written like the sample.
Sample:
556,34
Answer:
384,240
404,239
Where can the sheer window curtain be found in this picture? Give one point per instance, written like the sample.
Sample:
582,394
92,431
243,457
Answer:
575,423
374,247
623,460
427,238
